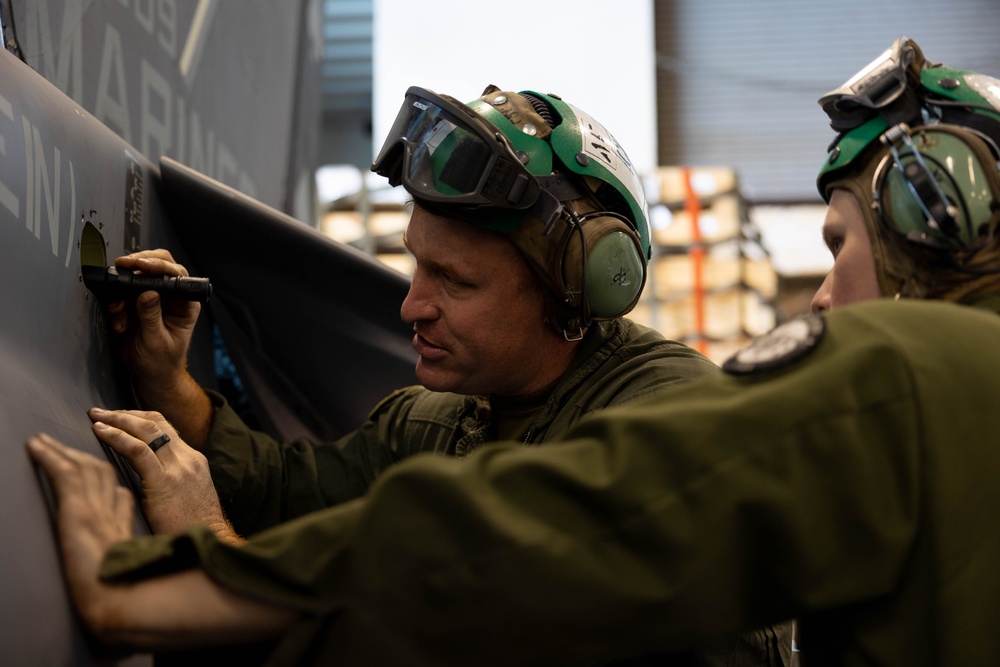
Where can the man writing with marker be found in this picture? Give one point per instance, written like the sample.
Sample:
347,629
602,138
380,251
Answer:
840,472
517,304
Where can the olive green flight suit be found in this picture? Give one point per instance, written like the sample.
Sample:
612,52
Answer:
263,482
851,483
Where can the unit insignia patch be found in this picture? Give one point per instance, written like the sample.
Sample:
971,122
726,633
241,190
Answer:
778,347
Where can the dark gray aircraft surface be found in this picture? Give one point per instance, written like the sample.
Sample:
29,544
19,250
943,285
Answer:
136,124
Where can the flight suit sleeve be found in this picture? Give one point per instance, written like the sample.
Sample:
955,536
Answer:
726,504
262,482
641,373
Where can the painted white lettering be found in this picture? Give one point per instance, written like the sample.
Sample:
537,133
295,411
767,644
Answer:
50,190
7,197
167,34
159,18
61,61
156,109
202,152
144,14
29,176
113,111
246,186
228,171
181,149
72,213
197,155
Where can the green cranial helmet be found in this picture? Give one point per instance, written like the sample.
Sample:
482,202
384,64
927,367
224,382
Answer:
924,138
540,170
569,140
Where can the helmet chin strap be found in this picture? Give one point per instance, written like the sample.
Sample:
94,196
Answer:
583,321
576,335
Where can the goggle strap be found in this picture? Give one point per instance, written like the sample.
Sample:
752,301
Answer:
556,189
548,209
561,186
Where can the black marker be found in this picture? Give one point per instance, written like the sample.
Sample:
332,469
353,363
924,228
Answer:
112,284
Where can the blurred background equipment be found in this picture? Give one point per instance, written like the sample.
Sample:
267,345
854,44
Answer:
711,281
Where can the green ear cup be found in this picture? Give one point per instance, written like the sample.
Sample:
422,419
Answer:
615,275
955,160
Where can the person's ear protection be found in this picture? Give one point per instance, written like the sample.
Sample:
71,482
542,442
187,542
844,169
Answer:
939,186
593,256
603,266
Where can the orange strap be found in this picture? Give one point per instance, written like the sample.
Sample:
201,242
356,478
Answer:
697,253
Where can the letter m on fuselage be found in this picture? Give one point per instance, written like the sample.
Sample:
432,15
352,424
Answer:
60,60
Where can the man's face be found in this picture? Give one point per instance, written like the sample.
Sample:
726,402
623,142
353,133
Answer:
852,277
477,311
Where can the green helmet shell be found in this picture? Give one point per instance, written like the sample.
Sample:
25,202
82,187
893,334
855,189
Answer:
539,162
583,146
846,152
978,90
965,86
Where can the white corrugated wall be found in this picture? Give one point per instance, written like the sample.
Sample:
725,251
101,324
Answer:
738,80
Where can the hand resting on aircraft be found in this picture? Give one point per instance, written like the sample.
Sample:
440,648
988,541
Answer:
177,611
176,483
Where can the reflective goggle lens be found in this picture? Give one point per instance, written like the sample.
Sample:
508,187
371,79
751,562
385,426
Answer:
434,152
443,158
442,155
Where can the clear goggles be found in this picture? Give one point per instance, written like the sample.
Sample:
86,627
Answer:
444,152
876,86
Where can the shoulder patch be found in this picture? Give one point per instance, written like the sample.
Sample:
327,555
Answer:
779,347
